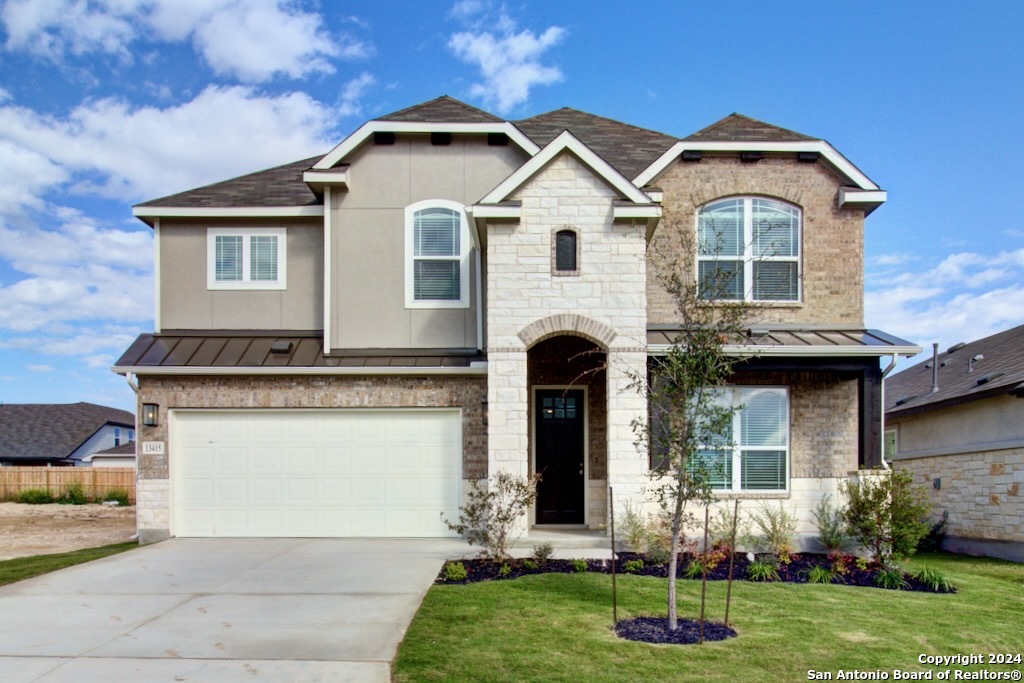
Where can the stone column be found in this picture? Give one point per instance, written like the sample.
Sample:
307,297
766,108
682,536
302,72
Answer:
628,464
508,433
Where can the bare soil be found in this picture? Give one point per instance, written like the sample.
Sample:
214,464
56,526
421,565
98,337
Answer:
43,529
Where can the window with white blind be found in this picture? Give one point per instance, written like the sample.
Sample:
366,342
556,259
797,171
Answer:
754,455
437,255
748,249
246,258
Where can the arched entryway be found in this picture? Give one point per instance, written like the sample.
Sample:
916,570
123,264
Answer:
566,376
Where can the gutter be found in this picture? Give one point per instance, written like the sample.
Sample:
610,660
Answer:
475,369
885,373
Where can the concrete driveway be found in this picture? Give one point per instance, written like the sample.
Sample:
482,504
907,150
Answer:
221,610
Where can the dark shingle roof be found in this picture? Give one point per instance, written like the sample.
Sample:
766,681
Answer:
740,128
278,186
1002,371
123,449
53,431
628,148
444,109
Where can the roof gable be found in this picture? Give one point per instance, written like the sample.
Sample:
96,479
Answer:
740,128
628,148
443,109
959,378
566,142
53,431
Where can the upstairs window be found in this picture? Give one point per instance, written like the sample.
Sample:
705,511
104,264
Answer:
565,252
437,255
748,249
246,258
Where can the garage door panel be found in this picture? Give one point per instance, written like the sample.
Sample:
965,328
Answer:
315,473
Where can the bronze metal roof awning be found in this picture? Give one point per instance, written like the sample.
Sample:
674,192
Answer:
285,353
797,341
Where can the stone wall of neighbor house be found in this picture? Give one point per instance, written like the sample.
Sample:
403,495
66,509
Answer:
605,303
983,494
832,247
171,393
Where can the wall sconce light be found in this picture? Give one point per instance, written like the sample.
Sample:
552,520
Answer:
149,414
483,407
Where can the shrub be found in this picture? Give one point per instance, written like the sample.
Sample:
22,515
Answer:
831,527
934,580
73,494
579,565
542,552
891,579
632,566
529,565
759,570
933,539
659,540
694,569
840,562
633,528
35,497
120,496
658,553
720,528
889,516
491,515
455,572
821,575
777,527
505,570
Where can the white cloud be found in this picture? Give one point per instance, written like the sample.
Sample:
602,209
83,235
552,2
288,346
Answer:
964,297
123,151
40,368
252,40
509,61
349,105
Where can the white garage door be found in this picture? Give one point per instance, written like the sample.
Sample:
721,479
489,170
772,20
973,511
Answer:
315,473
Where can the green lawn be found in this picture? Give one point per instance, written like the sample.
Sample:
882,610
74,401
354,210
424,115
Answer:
558,628
27,567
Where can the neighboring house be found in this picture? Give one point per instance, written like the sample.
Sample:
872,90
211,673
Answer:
957,423
118,456
60,433
344,344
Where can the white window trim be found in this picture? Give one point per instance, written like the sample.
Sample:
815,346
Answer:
245,283
737,448
748,244
465,248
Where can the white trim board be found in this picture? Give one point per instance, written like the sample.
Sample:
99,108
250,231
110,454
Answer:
349,144
477,369
830,153
227,211
566,141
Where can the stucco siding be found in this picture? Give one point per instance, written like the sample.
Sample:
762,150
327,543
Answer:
187,304
368,268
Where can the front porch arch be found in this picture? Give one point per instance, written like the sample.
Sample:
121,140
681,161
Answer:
567,323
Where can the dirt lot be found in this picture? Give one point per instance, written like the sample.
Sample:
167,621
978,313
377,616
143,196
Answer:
43,529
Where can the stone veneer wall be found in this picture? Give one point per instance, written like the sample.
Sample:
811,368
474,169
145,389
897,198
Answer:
229,392
606,303
981,492
832,245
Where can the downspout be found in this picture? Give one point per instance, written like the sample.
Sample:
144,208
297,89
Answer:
135,388
888,369
479,302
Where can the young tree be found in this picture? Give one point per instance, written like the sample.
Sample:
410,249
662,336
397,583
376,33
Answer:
689,427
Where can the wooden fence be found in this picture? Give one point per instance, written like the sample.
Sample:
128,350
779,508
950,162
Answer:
96,481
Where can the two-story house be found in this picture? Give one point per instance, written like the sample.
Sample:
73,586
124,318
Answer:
345,343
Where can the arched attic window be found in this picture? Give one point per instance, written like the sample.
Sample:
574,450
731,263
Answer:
565,251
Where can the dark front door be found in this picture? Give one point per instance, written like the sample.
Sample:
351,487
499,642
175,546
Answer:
558,421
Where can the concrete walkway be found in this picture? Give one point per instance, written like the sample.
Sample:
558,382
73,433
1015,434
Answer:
221,610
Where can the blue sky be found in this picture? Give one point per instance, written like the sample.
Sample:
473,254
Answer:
105,103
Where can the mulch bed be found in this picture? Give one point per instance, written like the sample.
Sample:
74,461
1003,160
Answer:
655,630
795,571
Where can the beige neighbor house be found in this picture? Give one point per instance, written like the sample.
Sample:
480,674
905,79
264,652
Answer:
957,423
346,343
